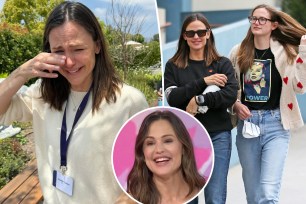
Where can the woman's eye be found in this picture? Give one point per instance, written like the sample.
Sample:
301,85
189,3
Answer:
168,141
58,51
79,50
149,143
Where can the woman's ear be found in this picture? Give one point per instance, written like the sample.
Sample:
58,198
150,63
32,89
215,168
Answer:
184,36
274,25
208,34
97,48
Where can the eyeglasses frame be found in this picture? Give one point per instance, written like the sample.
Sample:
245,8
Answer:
196,32
254,18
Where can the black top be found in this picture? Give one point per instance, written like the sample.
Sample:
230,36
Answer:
262,84
190,82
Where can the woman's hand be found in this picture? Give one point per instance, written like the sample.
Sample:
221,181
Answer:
216,79
241,110
303,40
42,65
192,107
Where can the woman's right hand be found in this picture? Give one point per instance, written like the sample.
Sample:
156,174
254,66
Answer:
216,79
42,65
241,110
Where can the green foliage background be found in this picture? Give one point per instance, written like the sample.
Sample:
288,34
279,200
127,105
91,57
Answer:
32,13
296,9
16,47
12,161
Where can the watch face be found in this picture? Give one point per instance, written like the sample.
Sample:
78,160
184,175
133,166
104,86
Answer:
200,99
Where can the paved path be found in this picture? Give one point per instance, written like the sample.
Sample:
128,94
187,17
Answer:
293,189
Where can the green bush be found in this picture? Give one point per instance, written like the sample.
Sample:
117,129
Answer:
16,48
148,56
13,160
144,81
3,75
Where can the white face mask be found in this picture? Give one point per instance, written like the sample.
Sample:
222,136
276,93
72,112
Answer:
250,130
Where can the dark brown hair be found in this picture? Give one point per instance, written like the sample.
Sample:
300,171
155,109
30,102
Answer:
106,83
180,58
288,33
140,179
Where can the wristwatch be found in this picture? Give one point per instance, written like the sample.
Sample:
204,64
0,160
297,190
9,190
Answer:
200,100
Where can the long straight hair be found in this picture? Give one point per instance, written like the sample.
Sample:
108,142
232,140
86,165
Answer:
106,82
288,33
180,58
140,179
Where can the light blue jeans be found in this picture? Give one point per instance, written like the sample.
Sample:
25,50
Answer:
263,158
215,190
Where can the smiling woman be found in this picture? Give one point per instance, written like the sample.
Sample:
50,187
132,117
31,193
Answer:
76,107
194,69
165,167
173,156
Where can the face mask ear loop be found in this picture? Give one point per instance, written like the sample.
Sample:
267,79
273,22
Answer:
253,126
250,120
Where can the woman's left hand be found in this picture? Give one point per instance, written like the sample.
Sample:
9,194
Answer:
192,107
303,40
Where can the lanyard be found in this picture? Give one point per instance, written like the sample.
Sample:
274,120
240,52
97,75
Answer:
65,142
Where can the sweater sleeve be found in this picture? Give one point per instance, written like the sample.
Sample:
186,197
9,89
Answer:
179,95
233,59
299,80
227,96
20,108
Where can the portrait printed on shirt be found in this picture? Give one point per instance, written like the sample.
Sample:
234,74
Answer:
257,81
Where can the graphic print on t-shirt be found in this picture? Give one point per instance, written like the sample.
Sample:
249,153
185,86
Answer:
256,82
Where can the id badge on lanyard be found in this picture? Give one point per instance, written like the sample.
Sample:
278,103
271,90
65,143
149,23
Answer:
60,180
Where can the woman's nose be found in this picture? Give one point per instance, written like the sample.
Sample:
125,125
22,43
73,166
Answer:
70,61
159,147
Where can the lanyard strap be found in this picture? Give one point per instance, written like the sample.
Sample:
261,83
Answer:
65,142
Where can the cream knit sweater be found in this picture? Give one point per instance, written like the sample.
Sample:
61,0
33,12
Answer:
294,81
89,152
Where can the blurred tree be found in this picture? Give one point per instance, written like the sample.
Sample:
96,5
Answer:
17,46
124,17
156,37
138,38
148,56
31,14
296,9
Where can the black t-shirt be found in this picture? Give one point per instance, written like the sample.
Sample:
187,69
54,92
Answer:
262,84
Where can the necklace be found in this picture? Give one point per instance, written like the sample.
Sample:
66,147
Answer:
75,107
76,99
261,55
74,103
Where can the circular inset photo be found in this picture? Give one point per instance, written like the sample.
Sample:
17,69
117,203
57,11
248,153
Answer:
162,154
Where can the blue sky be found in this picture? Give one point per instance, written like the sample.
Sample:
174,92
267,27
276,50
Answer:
147,9
1,4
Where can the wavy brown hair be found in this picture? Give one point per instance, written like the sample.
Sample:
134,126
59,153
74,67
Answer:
106,82
140,179
180,58
288,33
